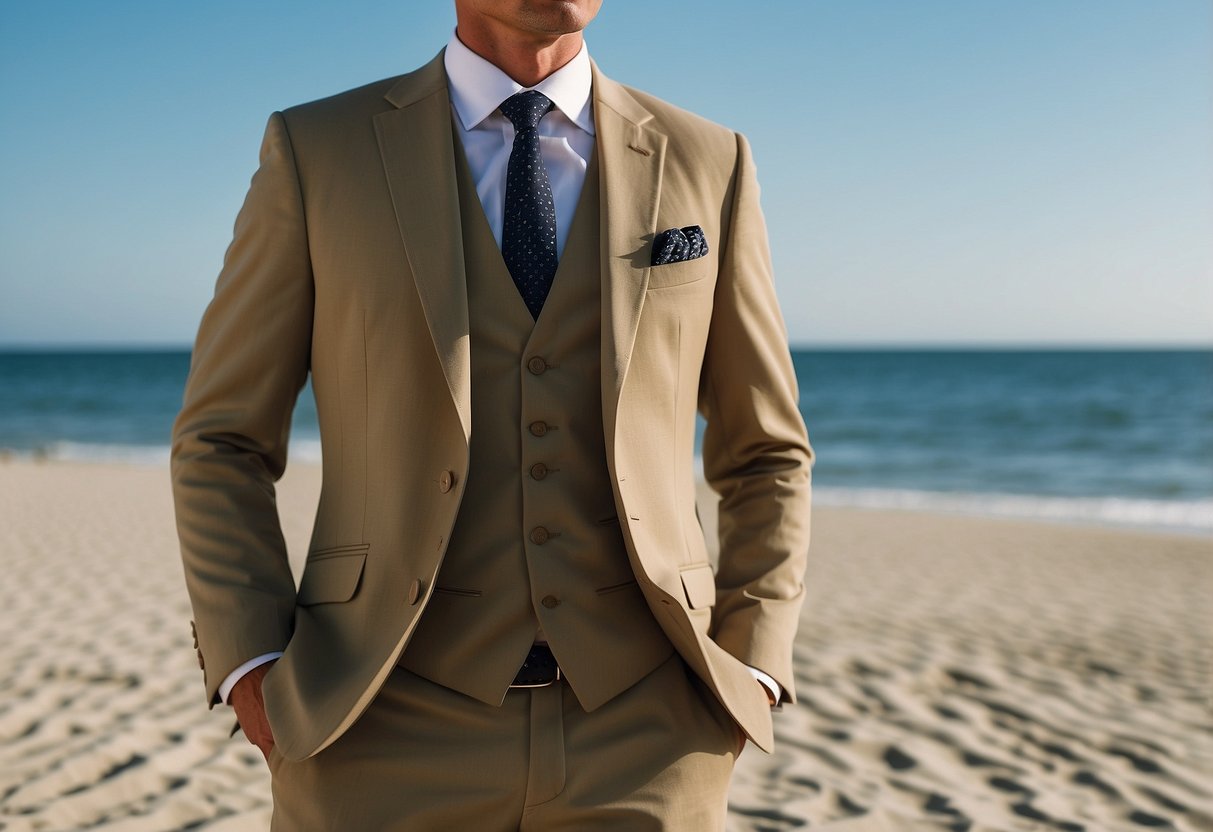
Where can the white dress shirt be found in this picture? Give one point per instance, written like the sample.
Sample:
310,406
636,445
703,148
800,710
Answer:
566,140
566,132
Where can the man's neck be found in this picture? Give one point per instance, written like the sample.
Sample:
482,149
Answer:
528,61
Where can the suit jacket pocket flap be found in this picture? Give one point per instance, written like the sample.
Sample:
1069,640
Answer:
331,579
700,585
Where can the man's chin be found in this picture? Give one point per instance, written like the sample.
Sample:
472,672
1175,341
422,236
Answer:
556,17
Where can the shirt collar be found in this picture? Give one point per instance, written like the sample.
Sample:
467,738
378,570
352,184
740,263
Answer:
478,87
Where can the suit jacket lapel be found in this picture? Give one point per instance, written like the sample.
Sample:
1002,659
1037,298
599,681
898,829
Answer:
630,159
417,146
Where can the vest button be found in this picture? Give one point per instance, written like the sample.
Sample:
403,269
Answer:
550,601
539,428
539,535
539,471
445,480
414,591
537,365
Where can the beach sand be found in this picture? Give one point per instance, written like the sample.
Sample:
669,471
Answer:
953,673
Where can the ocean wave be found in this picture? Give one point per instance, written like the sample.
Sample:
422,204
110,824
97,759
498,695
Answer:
91,452
306,451
1189,516
1179,515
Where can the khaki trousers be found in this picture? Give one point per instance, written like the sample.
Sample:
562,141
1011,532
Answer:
423,757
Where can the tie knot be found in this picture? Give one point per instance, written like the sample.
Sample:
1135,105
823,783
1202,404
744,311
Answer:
524,109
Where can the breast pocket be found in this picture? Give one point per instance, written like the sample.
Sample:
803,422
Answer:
678,274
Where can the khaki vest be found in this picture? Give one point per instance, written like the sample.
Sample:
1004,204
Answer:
536,549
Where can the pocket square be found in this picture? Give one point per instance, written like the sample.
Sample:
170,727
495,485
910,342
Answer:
674,245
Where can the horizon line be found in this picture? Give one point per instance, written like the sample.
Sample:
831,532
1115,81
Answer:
796,346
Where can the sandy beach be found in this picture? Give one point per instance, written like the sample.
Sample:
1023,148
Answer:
953,672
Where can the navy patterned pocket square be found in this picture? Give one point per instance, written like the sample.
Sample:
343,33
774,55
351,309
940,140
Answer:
674,245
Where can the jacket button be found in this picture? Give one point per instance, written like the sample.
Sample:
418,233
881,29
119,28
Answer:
539,535
550,601
539,428
539,471
537,365
414,591
445,480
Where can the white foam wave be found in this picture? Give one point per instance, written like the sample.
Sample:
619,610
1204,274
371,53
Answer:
1191,516
98,452
305,450
301,450
1188,516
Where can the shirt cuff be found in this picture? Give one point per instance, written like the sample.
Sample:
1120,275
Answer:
770,684
225,689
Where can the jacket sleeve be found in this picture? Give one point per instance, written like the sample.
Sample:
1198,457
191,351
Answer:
756,451
229,440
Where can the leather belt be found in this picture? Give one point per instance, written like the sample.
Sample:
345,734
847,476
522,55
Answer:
538,670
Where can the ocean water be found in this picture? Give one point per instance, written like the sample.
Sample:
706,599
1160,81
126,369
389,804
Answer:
1118,437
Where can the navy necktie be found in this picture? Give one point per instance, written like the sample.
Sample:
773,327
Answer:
528,233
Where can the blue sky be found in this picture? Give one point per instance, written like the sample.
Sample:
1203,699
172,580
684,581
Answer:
965,172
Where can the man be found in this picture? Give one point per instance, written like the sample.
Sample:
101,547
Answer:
513,281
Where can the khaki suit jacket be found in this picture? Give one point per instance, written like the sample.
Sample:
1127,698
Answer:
346,263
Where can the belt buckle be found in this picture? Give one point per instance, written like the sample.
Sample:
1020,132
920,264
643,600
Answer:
537,661
529,685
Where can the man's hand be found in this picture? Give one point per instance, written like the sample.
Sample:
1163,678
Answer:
250,708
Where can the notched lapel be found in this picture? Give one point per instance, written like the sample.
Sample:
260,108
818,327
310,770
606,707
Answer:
417,146
631,158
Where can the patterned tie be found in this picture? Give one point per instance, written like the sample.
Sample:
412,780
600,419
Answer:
528,234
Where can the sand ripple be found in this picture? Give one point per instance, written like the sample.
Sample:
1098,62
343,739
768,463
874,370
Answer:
954,673
970,675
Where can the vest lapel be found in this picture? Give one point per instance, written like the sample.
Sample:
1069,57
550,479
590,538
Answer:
415,142
630,159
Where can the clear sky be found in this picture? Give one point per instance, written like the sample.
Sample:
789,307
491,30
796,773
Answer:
963,172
